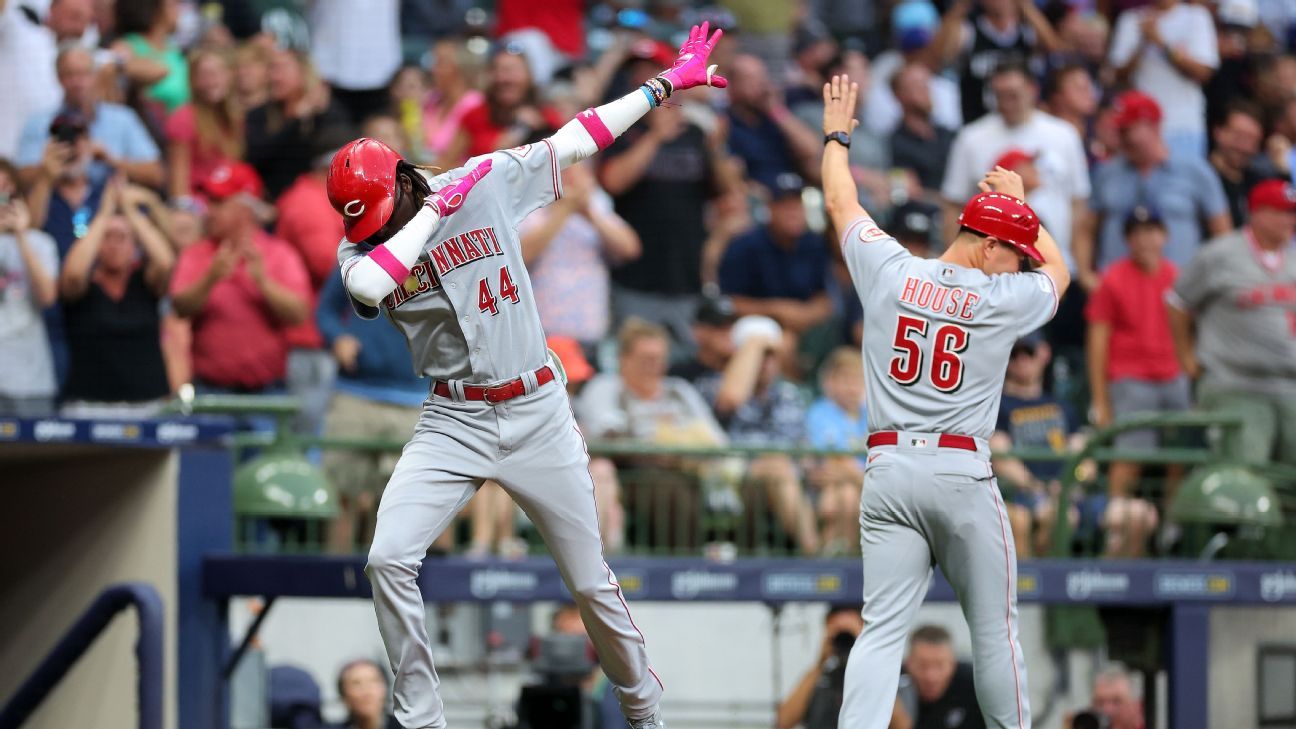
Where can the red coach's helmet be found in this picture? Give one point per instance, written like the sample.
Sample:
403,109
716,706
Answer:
362,186
1006,218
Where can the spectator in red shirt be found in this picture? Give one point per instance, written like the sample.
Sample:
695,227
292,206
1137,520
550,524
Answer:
241,288
552,31
209,129
453,95
511,113
1131,353
307,223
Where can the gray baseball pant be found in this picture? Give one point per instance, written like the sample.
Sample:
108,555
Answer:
925,505
532,447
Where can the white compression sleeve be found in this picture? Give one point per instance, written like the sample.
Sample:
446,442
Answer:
368,281
573,142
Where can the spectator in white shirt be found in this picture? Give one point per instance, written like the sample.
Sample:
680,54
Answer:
1063,193
913,26
1168,50
356,47
32,46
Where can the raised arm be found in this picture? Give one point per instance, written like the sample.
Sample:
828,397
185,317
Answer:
841,197
595,129
1054,266
154,243
74,279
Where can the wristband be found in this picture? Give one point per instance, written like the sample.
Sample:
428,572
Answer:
657,90
839,137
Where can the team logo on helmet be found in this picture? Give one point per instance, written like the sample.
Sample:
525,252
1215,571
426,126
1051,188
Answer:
359,208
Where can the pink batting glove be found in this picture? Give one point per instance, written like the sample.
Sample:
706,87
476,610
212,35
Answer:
451,197
691,67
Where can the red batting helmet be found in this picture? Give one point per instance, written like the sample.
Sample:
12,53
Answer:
1006,218
362,186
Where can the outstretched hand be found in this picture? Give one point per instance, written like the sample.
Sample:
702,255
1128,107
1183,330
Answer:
691,68
1005,181
840,97
451,197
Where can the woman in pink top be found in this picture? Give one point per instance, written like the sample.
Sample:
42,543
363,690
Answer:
208,131
453,95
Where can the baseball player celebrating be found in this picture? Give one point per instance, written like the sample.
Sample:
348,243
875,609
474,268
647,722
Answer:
447,269
937,335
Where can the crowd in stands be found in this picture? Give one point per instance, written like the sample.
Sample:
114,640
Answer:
164,224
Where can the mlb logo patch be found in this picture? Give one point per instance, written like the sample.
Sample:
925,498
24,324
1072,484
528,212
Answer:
946,273
918,442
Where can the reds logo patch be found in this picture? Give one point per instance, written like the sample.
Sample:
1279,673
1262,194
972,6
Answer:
870,232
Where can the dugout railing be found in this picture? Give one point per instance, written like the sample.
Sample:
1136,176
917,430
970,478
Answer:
688,500
78,639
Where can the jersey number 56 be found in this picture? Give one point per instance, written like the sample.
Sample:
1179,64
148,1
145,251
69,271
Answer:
946,371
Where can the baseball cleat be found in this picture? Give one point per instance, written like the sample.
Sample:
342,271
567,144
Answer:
653,722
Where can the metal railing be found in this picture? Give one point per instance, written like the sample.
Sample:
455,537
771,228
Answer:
682,500
78,639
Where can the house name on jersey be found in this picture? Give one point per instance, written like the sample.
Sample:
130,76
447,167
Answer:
464,248
951,301
420,280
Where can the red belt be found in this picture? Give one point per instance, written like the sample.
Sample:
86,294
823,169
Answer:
946,440
496,393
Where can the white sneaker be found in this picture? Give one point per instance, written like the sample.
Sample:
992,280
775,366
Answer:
653,722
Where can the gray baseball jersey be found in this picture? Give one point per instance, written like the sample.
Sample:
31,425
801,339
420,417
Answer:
469,315
1244,301
937,338
466,307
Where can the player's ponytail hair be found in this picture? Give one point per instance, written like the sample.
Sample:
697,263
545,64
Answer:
418,182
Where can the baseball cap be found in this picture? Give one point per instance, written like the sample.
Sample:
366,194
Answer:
809,33
913,220
1135,106
716,311
786,184
1272,194
571,358
229,179
1239,13
914,24
755,326
1013,157
1029,341
647,49
1143,215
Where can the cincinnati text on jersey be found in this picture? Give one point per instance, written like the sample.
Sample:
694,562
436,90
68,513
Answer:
954,302
464,248
419,281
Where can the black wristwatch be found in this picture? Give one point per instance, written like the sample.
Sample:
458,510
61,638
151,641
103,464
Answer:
841,138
